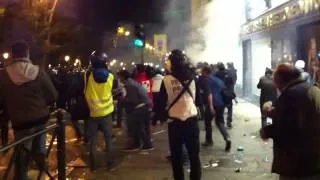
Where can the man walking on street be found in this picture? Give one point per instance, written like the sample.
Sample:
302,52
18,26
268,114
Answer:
26,91
217,106
268,92
229,78
295,129
98,93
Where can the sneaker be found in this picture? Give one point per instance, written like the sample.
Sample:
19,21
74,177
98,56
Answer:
228,146
113,167
130,149
229,126
207,144
150,148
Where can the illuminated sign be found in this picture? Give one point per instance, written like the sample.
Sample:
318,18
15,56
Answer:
278,16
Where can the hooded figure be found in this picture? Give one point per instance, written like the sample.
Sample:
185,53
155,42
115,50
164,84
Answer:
26,91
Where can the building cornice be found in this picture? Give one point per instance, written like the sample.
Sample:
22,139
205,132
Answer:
283,14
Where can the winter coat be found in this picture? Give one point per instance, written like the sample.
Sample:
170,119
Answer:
268,90
147,83
26,91
296,130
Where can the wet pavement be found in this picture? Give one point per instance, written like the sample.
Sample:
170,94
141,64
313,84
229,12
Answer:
257,155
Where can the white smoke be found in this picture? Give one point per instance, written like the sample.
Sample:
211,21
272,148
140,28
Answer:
215,36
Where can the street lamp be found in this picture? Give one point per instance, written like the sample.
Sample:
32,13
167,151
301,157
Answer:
121,31
5,55
121,64
67,58
127,33
77,61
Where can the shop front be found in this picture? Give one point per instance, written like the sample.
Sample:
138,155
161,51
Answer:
284,34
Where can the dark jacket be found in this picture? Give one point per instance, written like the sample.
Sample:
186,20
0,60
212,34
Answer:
233,74
268,90
136,95
296,130
228,77
26,91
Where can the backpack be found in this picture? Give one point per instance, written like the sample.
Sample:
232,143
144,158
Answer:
228,95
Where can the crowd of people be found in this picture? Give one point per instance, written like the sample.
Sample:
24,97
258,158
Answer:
180,96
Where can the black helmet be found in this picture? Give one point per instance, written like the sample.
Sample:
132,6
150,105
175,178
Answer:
177,56
98,59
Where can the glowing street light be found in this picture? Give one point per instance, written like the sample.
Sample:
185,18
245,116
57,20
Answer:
67,58
133,63
121,30
77,61
5,55
127,33
121,64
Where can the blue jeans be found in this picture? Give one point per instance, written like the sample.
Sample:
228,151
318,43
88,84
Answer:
37,146
105,125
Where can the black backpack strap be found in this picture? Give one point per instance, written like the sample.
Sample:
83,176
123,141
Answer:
185,89
186,86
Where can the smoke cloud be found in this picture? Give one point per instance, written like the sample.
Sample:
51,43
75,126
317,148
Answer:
218,31
214,35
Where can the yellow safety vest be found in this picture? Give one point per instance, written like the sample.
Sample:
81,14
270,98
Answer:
99,96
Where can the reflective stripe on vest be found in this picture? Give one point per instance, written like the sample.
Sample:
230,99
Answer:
99,96
185,107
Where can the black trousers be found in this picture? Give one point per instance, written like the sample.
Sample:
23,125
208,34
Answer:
140,119
220,123
263,117
187,133
230,113
4,127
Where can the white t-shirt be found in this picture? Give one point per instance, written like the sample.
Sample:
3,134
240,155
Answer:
157,81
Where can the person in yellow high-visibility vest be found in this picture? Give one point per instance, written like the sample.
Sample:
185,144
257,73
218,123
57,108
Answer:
98,94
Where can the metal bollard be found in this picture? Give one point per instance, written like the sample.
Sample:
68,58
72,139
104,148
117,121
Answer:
61,146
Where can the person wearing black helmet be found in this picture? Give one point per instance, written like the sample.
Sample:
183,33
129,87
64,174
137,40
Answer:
177,104
98,94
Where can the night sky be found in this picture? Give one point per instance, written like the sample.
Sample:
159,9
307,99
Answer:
107,13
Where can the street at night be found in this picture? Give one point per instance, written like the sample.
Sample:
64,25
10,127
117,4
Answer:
159,89
154,165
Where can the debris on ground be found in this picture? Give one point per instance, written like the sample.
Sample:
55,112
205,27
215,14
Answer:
211,164
238,170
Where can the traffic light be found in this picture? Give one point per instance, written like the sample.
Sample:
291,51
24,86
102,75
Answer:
139,40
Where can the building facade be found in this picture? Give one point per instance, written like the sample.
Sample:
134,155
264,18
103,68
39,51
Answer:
283,33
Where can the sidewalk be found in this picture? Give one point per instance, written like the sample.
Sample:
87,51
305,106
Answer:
154,166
